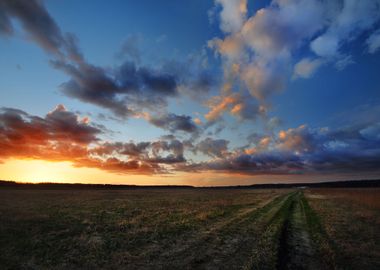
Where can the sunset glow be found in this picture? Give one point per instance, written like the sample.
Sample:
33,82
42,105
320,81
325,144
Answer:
248,92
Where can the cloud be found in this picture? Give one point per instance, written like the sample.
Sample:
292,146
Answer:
302,150
306,67
219,105
59,135
237,105
122,90
40,26
257,57
212,147
36,21
175,149
58,124
232,15
174,123
373,42
343,62
126,90
5,23
258,52
63,136
350,19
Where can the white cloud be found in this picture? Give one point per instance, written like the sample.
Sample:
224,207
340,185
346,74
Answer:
258,51
373,42
232,15
351,18
343,62
325,46
306,68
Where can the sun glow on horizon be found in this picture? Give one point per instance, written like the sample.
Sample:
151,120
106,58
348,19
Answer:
36,171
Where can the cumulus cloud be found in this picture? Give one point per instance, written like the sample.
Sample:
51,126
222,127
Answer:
59,124
350,19
306,67
302,150
260,55
59,135
174,123
63,136
212,147
236,104
232,15
124,86
126,90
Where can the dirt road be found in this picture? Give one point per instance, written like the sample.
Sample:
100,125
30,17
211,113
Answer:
274,235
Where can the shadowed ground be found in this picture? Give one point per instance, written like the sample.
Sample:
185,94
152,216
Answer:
189,229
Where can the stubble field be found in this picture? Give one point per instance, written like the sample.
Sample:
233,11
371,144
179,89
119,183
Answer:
190,229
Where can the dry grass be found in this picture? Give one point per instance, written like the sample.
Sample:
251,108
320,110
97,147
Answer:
351,219
189,228
112,229
369,197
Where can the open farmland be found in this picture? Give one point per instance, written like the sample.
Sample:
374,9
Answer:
190,228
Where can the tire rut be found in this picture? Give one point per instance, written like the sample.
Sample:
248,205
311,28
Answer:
295,248
211,249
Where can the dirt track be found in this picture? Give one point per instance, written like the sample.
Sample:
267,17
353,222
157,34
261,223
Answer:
190,229
274,235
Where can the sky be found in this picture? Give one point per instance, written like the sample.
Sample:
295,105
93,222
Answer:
202,92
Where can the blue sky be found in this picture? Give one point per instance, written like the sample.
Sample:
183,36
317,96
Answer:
235,89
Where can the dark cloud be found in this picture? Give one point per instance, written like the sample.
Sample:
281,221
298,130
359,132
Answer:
302,151
92,84
63,136
5,23
60,135
127,90
40,26
212,147
36,21
58,124
148,153
124,90
194,79
174,123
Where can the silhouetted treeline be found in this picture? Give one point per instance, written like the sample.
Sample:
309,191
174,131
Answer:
335,184
12,184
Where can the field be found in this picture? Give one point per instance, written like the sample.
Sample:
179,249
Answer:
190,228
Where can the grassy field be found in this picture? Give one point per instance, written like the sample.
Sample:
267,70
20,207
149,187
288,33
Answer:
190,228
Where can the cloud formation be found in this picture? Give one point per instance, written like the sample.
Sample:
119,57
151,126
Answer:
63,136
40,26
23,135
301,150
306,67
122,90
174,123
213,147
126,90
260,52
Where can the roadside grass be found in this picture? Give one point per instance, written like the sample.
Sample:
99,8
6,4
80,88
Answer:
324,247
346,226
